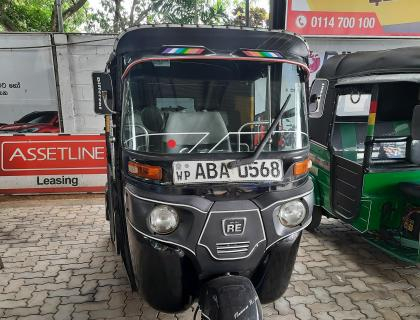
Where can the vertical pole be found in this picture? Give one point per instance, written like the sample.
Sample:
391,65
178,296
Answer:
371,127
268,88
278,10
196,12
57,80
248,22
59,13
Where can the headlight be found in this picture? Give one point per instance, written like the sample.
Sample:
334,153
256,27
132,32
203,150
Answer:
291,213
163,219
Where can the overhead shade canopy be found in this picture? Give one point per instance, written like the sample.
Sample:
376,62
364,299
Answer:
381,78
366,63
148,40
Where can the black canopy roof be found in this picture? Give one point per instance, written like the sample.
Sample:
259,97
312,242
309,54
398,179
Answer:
147,40
364,63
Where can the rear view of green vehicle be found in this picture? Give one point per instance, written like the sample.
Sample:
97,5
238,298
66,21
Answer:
365,147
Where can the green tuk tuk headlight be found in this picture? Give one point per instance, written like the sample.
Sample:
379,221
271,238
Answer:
163,219
291,213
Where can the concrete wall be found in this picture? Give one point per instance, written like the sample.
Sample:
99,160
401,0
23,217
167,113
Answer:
79,55
76,61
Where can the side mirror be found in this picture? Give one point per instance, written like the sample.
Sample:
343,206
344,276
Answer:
103,93
317,97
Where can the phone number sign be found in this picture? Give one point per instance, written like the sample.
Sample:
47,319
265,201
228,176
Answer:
364,18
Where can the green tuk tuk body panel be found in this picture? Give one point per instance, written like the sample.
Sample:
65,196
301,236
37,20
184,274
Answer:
320,173
379,189
407,254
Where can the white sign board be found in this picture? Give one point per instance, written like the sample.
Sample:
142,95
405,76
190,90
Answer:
27,81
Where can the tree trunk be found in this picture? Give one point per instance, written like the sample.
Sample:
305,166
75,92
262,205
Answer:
5,21
154,6
66,14
247,18
53,22
73,9
133,7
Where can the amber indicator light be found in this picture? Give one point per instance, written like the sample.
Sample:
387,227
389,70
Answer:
302,167
145,171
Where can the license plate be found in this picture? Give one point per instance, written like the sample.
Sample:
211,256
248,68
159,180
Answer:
217,171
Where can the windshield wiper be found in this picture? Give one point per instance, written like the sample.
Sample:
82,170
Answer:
267,137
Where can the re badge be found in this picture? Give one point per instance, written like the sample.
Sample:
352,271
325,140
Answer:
233,226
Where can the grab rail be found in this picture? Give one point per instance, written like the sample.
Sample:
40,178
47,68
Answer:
246,125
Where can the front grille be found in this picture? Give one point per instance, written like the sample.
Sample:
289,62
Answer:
235,243
232,247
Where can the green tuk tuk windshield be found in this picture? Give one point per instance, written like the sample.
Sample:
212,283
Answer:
209,106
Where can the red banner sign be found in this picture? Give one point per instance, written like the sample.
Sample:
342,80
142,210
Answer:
52,163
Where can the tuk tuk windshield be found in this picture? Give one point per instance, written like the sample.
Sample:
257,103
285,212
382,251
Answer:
208,106
396,102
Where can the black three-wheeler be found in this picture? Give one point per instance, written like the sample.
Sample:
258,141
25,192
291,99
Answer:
208,189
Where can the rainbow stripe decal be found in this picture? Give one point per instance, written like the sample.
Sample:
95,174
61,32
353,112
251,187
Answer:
183,51
262,54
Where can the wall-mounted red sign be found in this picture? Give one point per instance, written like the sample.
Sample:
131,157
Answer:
52,163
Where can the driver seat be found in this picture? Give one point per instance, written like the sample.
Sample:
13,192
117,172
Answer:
411,189
200,123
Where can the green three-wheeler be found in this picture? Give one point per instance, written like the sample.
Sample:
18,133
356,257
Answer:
365,146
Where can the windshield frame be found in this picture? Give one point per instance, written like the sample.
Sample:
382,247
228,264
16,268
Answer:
214,57
222,155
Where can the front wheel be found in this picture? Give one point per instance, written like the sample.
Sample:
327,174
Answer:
230,298
316,218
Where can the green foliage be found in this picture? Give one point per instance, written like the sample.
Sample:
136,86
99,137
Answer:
36,15
158,11
26,15
258,17
102,20
75,22
190,12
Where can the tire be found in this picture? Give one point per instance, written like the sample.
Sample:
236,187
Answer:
223,297
123,248
107,201
110,212
316,219
112,229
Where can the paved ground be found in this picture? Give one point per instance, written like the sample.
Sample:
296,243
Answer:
59,264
